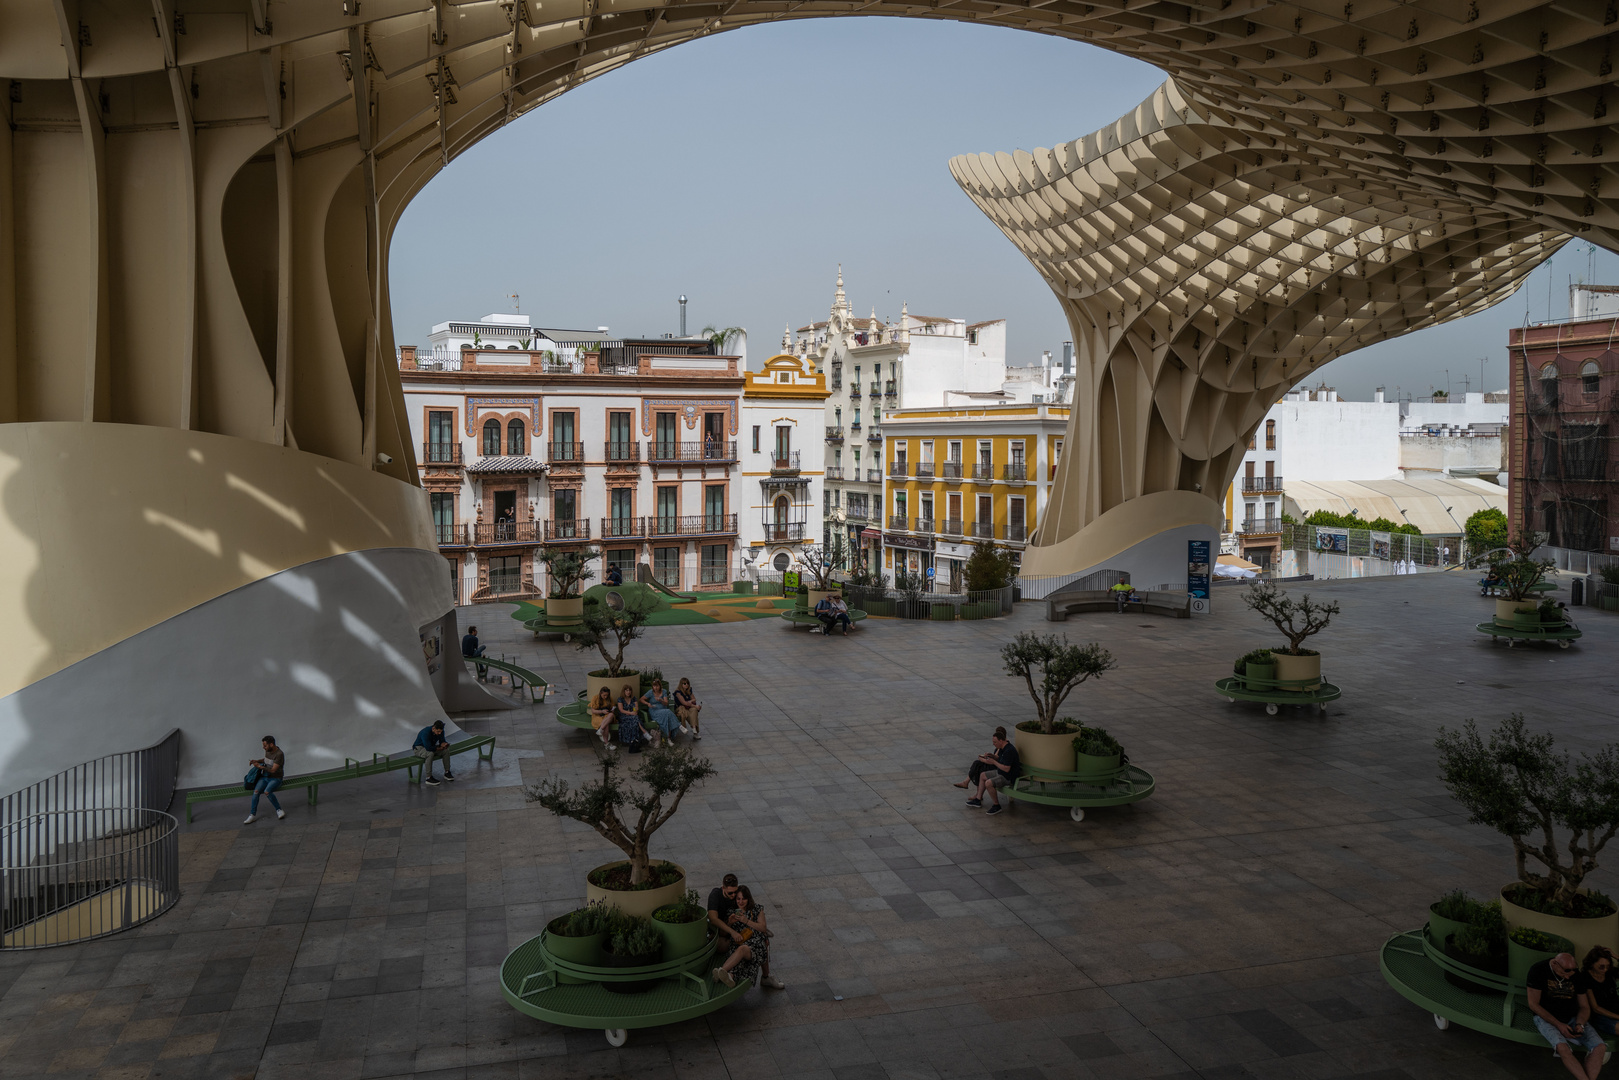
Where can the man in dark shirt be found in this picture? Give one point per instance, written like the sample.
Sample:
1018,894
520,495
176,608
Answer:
1001,769
471,649
721,903
1561,1012
430,745
615,576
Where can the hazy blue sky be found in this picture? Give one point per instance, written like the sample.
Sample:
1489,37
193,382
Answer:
742,168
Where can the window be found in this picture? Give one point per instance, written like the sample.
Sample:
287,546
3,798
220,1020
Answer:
780,511
1590,378
505,575
666,565
926,512
784,442
620,437
953,450
563,446
1548,385
624,558
668,510
1017,528
443,503
516,444
985,525
564,511
755,438
714,507
1248,510
784,377
972,337
440,436
491,438
1056,457
1251,445
1270,434
621,505
1585,452
667,436
714,436
716,562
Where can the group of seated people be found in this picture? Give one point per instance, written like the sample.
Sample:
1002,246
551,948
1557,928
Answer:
671,715
830,611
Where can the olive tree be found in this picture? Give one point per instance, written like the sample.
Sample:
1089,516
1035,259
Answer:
1518,785
1052,667
1296,619
606,805
609,629
1521,573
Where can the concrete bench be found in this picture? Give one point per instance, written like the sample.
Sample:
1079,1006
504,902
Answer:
1173,603
352,769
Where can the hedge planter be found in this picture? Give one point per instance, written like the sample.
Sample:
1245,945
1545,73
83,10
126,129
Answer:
880,606
1490,965
595,680
585,950
564,611
1266,672
1042,751
635,901
914,609
742,588
944,612
980,610
1304,670
1520,958
1584,933
1442,928
682,939
1094,764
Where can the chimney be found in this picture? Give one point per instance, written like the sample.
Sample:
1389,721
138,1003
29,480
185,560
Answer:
1378,395
1068,358
682,316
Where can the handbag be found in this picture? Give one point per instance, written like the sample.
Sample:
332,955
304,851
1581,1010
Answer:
251,780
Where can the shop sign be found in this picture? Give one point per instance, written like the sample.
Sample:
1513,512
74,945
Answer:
949,550
915,543
1197,568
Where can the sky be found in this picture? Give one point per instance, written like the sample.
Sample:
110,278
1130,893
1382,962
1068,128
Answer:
741,169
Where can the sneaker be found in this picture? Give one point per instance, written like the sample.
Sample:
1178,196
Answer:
772,982
684,730
697,734
450,777
280,813
723,976
975,802
995,809
431,781
250,819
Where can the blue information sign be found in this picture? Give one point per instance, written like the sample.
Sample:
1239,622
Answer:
1197,568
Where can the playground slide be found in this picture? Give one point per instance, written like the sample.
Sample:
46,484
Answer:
643,574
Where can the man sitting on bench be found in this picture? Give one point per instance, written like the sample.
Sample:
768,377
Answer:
431,744
471,650
1123,592
823,613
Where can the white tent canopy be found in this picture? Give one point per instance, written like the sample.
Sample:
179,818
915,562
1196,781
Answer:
1439,506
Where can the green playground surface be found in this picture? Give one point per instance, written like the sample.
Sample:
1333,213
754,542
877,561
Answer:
705,607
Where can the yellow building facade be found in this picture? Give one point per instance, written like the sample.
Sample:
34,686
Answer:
957,476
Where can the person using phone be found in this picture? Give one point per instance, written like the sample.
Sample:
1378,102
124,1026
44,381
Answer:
1561,1014
272,773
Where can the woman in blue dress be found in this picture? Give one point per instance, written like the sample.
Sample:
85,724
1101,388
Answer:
627,711
662,709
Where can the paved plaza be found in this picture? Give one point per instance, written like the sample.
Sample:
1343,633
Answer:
1228,927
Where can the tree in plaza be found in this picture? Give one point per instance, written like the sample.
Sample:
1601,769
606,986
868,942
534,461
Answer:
821,560
1296,619
609,630
989,567
568,569
1052,667
1522,572
1486,530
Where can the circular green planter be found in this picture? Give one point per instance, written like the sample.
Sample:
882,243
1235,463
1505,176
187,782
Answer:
576,950
1054,752
1259,671
608,960
682,939
1584,933
1521,958
1442,928
1095,764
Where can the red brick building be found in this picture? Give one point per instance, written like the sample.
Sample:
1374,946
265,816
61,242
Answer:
1565,416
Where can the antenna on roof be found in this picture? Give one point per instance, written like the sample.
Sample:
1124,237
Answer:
515,305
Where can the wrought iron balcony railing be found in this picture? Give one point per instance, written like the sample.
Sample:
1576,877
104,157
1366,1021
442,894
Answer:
1017,472
716,452
1253,485
506,532
984,470
788,462
562,530
616,527
441,453
691,525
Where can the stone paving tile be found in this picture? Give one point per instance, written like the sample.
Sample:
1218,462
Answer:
1227,928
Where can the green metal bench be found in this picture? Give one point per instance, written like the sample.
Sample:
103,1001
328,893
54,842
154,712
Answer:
353,769
576,714
1417,968
1081,791
538,687
683,990
1564,633
800,617
1278,692
542,625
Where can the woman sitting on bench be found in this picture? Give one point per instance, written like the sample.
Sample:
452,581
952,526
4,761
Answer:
601,715
627,711
662,710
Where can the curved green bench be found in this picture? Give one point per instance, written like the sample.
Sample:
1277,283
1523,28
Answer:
684,990
1275,693
538,688
1081,791
542,625
1563,633
797,617
576,714
1416,968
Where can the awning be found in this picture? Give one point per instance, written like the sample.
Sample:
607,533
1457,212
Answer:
871,534
1238,561
1438,506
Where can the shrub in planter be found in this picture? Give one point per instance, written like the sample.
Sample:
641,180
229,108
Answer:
1521,573
1520,786
1298,620
634,942
609,630
683,924
567,570
577,936
1453,913
1527,947
1096,752
943,612
1051,667
1258,664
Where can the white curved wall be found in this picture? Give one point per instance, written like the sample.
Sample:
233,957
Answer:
326,656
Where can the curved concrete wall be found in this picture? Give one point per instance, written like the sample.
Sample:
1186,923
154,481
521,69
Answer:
327,657
109,529
1145,537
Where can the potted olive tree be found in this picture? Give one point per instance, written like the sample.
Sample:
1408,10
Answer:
608,627
566,570
1519,576
1517,784
820,564
1051,667
627,815
1298,620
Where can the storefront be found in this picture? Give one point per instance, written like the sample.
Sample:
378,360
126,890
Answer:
905,552
871,547
950,565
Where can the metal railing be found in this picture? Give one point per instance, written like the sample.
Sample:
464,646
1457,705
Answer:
613,528
504,582
789,530
691,525
874,476
1261,525
1261,484
788,462
1017,534
1017,472
875,435
144,778
924,470
716,575
506,532
898,468
617,453
984,470
834,432
564,529
876,390
931,603
837,382
834,472
441,453
950,470
565,453
857,512
718,451
854,429
449,534
899,522
950,526
923,525
984,530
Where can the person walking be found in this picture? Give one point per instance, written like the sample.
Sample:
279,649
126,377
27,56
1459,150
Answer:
272,773
431,745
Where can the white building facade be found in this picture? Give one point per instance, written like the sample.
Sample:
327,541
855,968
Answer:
783,461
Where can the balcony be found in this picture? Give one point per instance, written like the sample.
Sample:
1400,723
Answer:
874,476
923,525
854,391
854,429
614,528
875,435
786,464
506,533
856,512
898,469
1017,534
565,455
950,527
837,382
1015,473
924,470
834,434
717,452
450,535
784,530
565,530
622,455
950,470
984,470
899,522
1261,485
1261,526
692,525
876,390
441,453
834,472
983,530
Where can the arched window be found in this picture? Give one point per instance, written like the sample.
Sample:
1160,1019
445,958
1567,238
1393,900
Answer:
491,438
1548,384
514,438
1590,377
782,507
1270,434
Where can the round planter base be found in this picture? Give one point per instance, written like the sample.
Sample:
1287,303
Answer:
1584,933
1042,751
635,901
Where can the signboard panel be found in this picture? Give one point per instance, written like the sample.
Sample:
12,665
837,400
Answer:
914,543
1332,540
1380,545
1197,568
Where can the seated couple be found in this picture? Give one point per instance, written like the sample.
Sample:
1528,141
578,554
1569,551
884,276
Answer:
744,937
670,716
831,610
